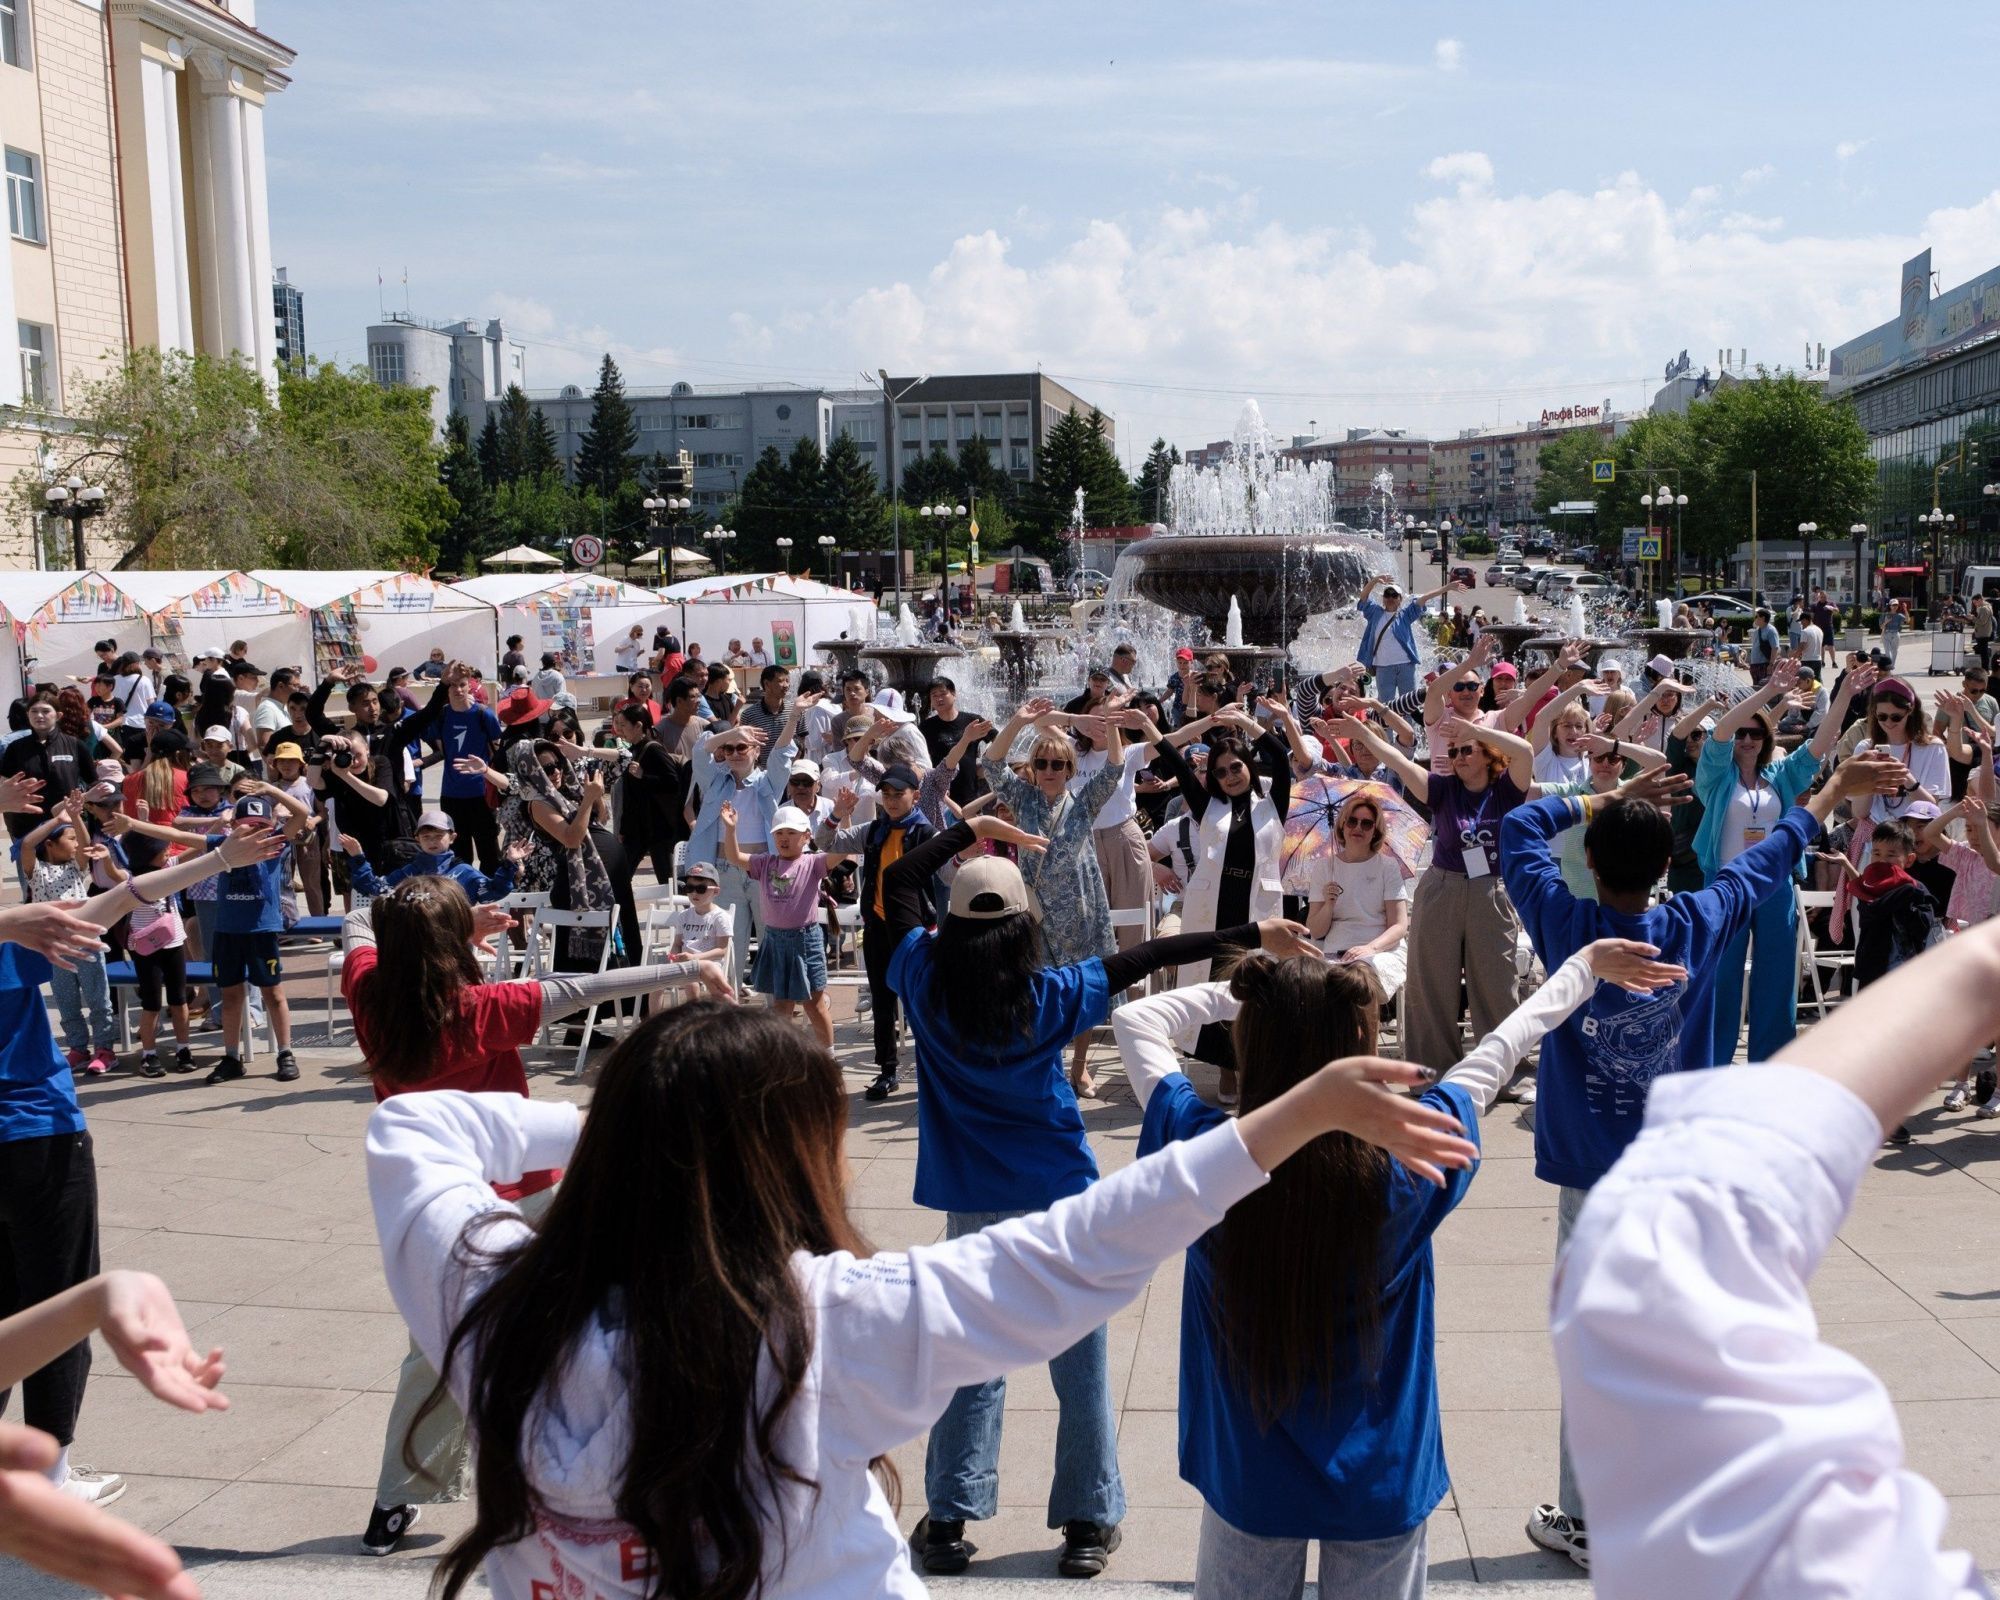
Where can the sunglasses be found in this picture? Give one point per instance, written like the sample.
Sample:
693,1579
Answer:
1454,751
1044,764
732,749
549,767
1231,769
1750,733
1465,688
803,782
1886,715
1359,822
1606,755
694,886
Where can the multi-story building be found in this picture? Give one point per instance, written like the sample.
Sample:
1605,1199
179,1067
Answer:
464,366
1013,412
288,311
1486,477
1211,455
1926,387
136,212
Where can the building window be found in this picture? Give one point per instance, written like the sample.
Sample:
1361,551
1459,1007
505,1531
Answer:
860,429
1019,462
653,422
936,427
24,197
913,428
962,426
11,34
989,426
37,345
385,359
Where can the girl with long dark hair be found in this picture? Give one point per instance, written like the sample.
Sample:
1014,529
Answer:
680,1380
425,1021
1309,1405
999,1134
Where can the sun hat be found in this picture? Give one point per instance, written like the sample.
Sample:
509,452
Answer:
287,751
219,734
803,768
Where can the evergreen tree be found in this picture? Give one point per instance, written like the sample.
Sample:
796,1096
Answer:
604,454
979,476
540,455
489,450
761,511
805,497
510,437
1155,479
1076,454
854,506
933,477
464,478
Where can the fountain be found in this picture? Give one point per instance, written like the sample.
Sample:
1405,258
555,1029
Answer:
1594,645
1676,644
906,661
1019,646
1248,663
845,652
1255,533
1512,635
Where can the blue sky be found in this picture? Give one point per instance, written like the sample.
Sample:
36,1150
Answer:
1431,216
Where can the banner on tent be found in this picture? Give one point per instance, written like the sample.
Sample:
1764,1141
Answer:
784,643
232,595
86,600
568,635
166,637
405,591
336,636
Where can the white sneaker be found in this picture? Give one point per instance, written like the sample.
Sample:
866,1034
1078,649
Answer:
93,1487
1554,1530
1525,1095
1955,1099
1991,1109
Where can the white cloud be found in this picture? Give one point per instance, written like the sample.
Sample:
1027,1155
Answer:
1469,169
1756,175
549,167
1848,149
1449,55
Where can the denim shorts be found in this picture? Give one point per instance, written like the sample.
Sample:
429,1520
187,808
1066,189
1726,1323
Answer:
791,963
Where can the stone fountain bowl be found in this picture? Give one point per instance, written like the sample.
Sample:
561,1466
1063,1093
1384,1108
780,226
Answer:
909,667
1512,635
1276,581
1676,644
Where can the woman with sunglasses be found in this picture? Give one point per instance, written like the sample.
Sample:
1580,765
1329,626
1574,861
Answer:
1744,784
1895,725
1463,929
1359,900
1559,734
1651,722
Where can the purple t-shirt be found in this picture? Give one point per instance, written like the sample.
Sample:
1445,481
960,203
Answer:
790,889
1463,821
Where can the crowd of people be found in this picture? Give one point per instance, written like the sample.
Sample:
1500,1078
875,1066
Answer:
1555,889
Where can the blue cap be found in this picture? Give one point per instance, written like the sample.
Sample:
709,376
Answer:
160,711
252,805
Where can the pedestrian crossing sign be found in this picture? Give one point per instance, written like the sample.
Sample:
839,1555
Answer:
1649,547
1604,472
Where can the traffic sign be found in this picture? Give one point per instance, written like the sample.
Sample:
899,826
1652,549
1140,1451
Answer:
1649,547
588,549
1604,472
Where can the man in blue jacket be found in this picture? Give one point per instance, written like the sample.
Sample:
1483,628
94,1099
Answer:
1597,1067
1389,636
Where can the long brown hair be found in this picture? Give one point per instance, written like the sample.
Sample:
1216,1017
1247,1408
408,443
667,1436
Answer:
1298,1264
712,1154
423,940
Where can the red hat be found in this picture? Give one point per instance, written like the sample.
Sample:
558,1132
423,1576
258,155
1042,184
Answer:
521,705
1184,654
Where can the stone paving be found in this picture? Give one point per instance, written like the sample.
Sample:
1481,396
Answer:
249,1200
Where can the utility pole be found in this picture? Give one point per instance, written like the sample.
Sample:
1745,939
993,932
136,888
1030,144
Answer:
1756,567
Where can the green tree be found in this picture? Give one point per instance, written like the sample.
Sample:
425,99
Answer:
1155,480
762,510
854,508
541,455
489,450
469,532
534,511
980,477
1563,469
933,477
1076,454
604,453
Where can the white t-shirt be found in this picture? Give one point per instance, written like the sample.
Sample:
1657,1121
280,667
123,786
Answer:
1752,814
701,930
1553,768
1360,891
836,773
626,654
1928,766
1812,643
134,693
268,718
1124,802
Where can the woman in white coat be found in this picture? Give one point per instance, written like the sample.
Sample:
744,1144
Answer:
1239,829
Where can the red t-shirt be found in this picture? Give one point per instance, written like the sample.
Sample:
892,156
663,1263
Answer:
482,1056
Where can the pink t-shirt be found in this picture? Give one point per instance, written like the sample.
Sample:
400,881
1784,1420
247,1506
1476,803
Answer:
789,890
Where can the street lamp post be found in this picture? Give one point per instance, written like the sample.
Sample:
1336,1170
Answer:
1412,536
720,537
826,542
942,513
892,454
1806,532
1939,522
785,554
76,503
1859,532
660,513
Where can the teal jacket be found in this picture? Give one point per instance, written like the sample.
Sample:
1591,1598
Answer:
1715,780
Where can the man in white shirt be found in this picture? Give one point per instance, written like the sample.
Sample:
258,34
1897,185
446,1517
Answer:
1812,648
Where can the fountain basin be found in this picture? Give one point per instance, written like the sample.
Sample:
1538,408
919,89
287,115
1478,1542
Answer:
1676,644
1277,581
846,653
1510,636
1018,649
910,667
1551,645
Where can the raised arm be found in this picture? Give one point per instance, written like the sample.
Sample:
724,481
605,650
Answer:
1416,779
1628,724
1545,719
1146,1030
240,849
1692,719
1827,735
1642,756
1519,753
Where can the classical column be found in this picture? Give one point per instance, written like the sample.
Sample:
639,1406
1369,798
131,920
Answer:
264,325
232,222
173,301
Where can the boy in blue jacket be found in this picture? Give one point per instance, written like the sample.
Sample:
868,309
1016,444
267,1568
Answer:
435,860
1597,1066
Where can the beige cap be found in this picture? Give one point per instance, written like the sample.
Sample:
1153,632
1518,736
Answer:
992,887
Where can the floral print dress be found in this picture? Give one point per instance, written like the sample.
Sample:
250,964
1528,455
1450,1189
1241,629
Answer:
1076,916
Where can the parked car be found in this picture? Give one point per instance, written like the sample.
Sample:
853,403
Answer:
1541,544
1503,572
1555,585
1526,579
1463,575
1734,610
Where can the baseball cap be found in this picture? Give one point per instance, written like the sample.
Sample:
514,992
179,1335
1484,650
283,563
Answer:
252,805
990,887
803,768
109,771
1505,669
700,872
246,669
790,819
898,776
160,711
219,734
170,742
437,819
287,752
1184,654
213,776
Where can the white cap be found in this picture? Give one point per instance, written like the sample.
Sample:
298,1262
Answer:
1662,666
219,735
790,819
437,819
802,768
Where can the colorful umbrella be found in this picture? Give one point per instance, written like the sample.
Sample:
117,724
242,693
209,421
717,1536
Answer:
1312,825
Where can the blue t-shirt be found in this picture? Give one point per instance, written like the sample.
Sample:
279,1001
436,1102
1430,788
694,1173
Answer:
1363,1460
37,1092
994,1132
247,901
1596,1068
471,732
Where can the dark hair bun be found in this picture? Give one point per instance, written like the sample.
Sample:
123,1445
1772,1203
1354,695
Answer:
1254,979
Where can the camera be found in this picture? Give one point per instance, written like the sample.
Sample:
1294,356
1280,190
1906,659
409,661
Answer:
340,756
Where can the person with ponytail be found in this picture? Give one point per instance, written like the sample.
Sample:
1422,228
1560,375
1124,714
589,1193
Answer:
426,1021
684,1381
1308,1387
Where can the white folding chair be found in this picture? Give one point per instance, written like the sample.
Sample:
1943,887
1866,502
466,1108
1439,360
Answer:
551,921
1814,961
524,907
655,903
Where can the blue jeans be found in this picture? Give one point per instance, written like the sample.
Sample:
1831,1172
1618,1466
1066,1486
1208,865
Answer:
75,991
1393,681
1769,948
962,1460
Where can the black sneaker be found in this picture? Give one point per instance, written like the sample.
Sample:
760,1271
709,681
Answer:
1087,1548
288,1067
227,1070
149,1065
885,1084
941,1546
1900,1136
1984,1083
386,1527
183,1060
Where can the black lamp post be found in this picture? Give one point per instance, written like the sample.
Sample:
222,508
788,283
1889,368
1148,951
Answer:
76,503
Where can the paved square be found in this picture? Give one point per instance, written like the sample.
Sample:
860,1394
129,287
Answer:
250,1200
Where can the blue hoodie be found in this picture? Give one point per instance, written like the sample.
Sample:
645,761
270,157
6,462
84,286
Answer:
1597,1067
478,887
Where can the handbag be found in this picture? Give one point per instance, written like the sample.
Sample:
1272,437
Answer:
165,929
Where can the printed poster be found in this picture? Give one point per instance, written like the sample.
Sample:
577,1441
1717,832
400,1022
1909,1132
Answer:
784,643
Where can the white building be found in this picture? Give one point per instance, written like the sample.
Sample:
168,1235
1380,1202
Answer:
465,367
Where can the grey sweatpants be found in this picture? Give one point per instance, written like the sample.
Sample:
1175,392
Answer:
1458,925
1234,1565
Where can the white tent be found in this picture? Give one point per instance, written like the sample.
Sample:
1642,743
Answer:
55,619
522,556
771,606
187,612
577,616
396,617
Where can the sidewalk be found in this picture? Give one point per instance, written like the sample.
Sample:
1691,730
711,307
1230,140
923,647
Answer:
249,1199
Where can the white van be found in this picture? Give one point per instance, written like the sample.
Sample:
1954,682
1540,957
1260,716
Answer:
1976,581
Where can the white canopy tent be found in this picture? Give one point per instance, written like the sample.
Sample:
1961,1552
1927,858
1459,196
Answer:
188,612
522,556
56,618
772,606
577,616
396,617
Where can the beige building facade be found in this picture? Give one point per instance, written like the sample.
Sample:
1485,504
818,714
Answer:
136,209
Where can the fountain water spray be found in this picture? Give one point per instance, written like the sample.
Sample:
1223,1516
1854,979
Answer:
1664,609
1579,626
1016,620
1520,607
1232,633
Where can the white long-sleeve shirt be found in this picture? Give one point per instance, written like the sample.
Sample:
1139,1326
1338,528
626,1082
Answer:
894,1335
1724,1450
1146,1031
